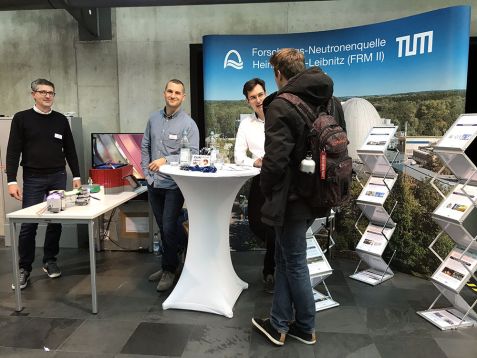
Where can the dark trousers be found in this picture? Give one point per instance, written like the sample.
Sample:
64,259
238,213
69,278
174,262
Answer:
259,229
167,205
35,190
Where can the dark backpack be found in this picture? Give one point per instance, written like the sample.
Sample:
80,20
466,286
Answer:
330,185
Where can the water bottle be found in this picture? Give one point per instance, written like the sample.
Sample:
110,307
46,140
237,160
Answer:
156,245
213,147
184,157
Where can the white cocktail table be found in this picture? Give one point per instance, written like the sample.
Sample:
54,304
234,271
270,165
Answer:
208,281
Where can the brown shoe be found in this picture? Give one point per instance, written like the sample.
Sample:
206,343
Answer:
156,276
166,282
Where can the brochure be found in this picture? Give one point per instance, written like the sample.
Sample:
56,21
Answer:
376,190
322,301
463,130
452,273
457,203
317,262
378,139
371,277
444,318
375,239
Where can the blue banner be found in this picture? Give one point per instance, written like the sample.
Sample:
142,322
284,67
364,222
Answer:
425,52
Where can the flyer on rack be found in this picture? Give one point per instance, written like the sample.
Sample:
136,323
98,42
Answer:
452,273
378,139
442,318
376,190
317,263
375,239
457,203
464,129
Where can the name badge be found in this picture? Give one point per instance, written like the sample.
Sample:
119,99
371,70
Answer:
58,136
173,136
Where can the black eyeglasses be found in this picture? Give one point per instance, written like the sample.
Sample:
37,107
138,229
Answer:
44,93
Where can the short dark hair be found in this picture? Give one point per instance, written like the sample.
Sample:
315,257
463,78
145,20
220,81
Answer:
41,81
177,82
250,85
289,61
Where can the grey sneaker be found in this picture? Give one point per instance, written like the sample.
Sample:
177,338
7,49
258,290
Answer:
52,269
156,276
23,278
269,283
166,282
295,332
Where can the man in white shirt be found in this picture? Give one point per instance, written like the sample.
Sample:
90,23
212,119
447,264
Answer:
249,150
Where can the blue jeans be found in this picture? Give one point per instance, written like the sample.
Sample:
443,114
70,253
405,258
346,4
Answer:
35,190
293,296
167,206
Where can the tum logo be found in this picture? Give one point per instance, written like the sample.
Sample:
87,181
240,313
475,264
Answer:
420,39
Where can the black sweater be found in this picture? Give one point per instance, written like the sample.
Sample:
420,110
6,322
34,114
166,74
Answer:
44,141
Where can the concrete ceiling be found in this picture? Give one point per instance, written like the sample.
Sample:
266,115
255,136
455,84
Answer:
77,4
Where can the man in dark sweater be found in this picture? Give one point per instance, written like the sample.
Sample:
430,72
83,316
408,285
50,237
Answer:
43,139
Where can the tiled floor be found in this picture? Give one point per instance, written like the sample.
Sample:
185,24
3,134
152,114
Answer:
370,322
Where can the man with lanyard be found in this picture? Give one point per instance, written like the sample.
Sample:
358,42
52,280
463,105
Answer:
43,139
160,145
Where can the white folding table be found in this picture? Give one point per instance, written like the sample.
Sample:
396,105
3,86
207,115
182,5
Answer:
73,215
208,281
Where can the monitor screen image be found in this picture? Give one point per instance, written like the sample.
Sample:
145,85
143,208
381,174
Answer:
117,148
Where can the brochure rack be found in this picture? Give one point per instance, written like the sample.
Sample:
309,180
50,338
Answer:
318,265
457,216
371,200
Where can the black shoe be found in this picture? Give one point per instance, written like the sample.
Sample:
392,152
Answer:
295,332
269,283
23,278
265,327
52,269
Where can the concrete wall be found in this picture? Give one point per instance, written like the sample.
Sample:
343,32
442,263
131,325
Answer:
114,85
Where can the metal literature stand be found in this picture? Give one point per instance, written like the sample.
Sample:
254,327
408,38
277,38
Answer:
318,265
371,200
457,216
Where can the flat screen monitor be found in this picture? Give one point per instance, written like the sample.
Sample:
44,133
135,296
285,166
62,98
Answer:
124,148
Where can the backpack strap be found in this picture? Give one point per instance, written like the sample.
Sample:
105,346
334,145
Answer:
305,111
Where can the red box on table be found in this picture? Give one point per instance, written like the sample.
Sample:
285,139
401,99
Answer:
113,179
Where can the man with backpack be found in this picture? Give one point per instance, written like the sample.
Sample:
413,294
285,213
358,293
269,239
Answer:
285,208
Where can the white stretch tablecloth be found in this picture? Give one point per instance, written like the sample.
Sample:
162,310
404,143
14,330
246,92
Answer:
208,281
